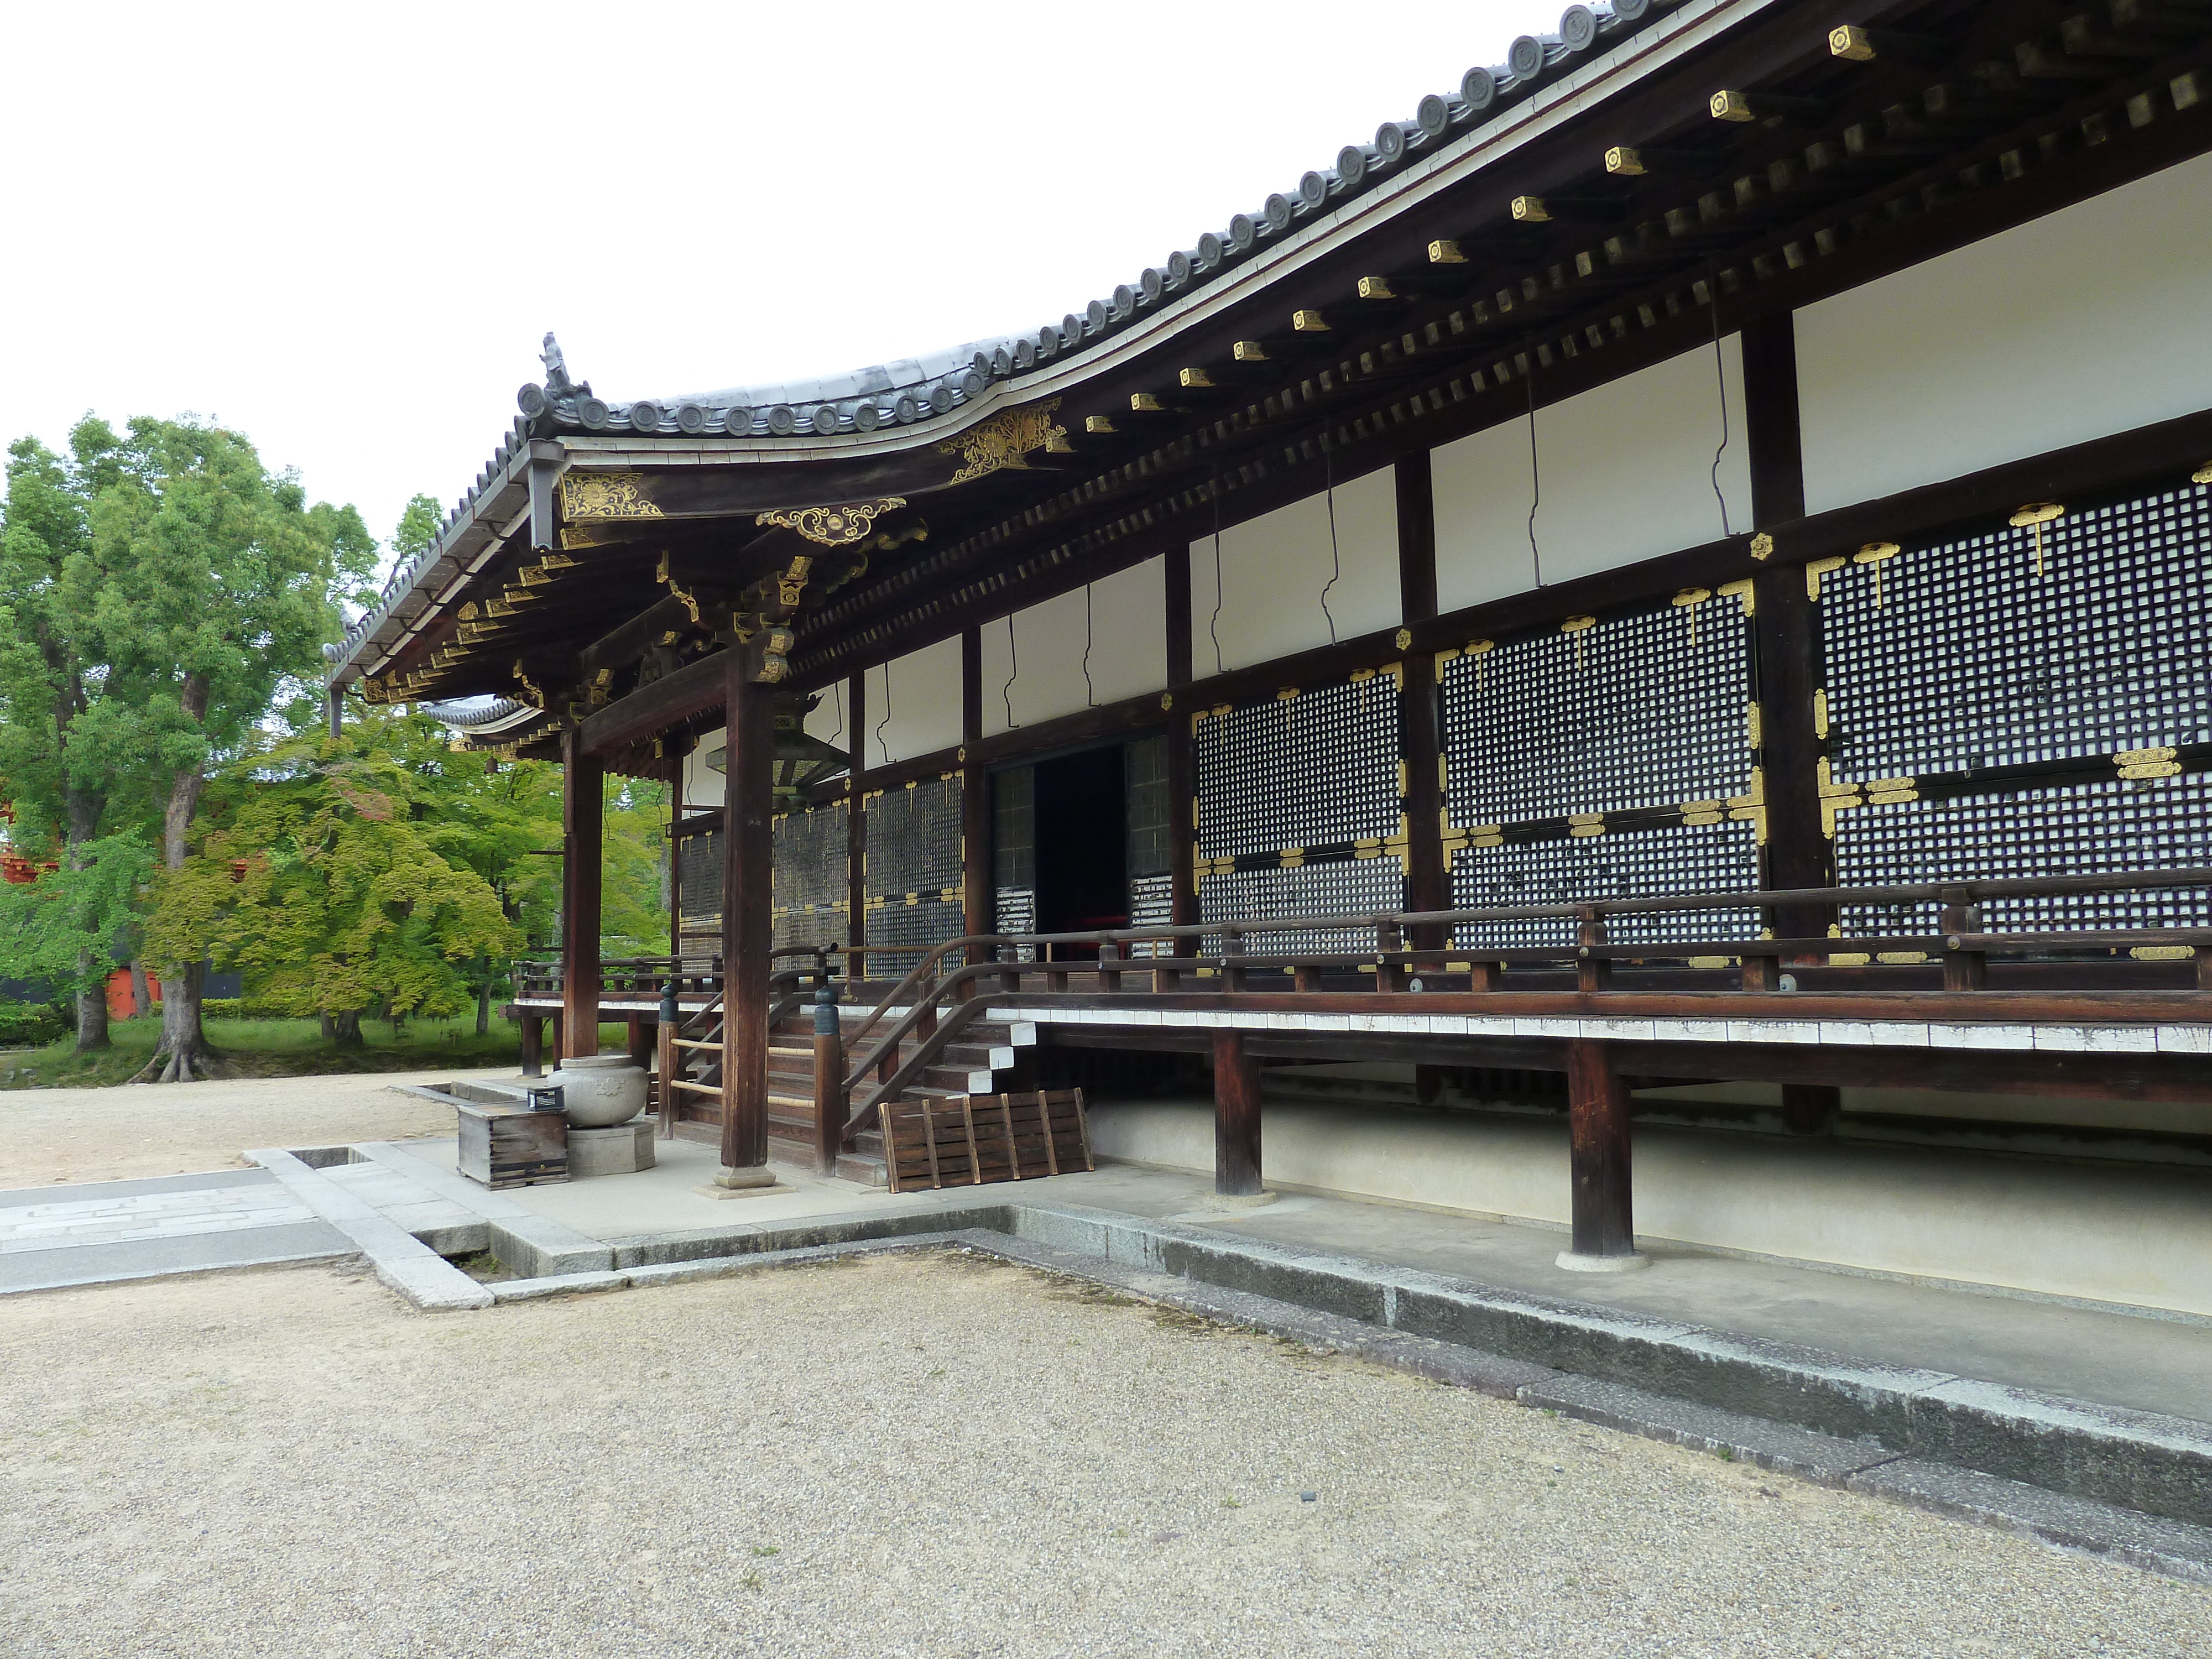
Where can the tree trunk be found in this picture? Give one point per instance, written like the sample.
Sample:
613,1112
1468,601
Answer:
345,1029
184,1053
484,1002
84,815
142,992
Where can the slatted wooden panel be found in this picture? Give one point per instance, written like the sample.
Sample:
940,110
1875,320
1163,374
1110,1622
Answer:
964,1140
507,1146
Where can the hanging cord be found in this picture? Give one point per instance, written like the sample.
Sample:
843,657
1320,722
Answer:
1720,380
1213,624
1535,477
1090,697
883,724
1013,672
1335,555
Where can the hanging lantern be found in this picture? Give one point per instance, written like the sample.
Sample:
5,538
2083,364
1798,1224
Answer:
1876,554
2035,516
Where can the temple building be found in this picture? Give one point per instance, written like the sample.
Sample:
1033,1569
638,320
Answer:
1658,607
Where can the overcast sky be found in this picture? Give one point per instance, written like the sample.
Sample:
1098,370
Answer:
343,230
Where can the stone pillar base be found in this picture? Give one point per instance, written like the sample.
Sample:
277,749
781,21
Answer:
749,1182
1237,1200
1602,1264
624,1149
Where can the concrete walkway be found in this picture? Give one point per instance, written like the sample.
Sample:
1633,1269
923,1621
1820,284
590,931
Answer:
110,1231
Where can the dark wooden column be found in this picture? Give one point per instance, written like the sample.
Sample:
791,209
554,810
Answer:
1235,1118
1182,770
673,762
582,810
1797,853
1603,1210
976,886
748,935
1428,886
856,826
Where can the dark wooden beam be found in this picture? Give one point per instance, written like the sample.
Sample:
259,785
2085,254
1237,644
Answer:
1235,1117
1182,761
689,692
1598,1157
975,795
582,808
1428,885
747,933
619,646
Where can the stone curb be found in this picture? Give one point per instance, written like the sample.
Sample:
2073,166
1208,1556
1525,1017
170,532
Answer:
527,1242
417,1272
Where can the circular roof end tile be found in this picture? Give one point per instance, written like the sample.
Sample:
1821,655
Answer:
1478,89
908,409
1070,329
1243,232
866,417
690,418
1525,58
1047,341
591,414
1209,251
531,400
1578,28
1313,190
644,416
1630,11
1431,119
739,422
1276,215
1151,287
971,384
1389,144
940,398
1025,352
1124,302
1352,166
824,419
783,421
1095,314
1178,268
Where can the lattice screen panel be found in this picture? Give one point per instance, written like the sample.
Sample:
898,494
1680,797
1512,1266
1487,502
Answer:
1341,886
2087,829
1635,712
810,876
1013,911
699,868
925,922
1318,768
1970,659
913,875
1713,858
1151,904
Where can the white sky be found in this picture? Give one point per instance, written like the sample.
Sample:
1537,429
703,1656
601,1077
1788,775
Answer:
343,230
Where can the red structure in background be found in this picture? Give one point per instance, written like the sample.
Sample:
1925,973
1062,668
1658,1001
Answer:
21,871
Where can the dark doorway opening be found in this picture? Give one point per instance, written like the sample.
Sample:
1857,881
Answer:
1082,836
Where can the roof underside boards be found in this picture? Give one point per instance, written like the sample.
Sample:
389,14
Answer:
1506,266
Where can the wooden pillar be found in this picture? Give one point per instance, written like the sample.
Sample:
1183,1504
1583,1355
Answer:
856,828
1797,853
533,1044
582,807
1810,1108
1428,884
1182,770
1235,1118
640,1036
976,885
1603,1206
673,763
748,935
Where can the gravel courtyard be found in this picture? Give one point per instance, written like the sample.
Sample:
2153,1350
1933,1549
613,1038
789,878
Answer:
909,1456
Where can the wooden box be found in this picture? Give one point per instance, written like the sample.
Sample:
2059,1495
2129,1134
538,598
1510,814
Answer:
510,1146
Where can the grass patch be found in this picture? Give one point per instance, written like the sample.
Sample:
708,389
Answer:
278,1047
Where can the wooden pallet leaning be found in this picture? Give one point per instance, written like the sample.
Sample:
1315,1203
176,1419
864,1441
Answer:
972,1140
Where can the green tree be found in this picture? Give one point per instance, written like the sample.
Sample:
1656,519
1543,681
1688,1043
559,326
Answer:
332,871
159,589
633,869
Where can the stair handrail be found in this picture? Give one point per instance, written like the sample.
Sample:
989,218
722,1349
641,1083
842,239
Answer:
905,987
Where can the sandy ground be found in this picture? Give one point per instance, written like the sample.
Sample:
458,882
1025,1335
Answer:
913,1456
183,1129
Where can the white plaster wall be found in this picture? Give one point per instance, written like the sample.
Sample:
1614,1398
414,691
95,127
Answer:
829,720
1129,652
912,704
702,784
2090,321
1625,471
1273,569
2128,1235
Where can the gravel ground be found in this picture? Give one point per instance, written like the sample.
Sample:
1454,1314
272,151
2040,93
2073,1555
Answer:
183,1129
909,1455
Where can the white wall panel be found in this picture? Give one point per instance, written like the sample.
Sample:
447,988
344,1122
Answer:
1625,472
912,704
702,784
2090,321
1273,569
1128,647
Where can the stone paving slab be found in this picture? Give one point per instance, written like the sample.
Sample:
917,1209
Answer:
58,1225
154,1258
213,1181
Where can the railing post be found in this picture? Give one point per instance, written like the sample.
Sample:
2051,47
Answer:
1762,973
1388,941
1110,979
1592,973
1963,970
533,1043
672,1021
831,1106
1233,958
1010,984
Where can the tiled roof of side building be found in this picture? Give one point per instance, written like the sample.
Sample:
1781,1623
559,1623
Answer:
916,389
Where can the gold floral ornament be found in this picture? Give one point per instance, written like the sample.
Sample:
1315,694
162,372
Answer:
606,495
1005,439
833,526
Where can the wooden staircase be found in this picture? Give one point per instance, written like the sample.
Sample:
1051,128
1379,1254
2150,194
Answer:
986,1060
